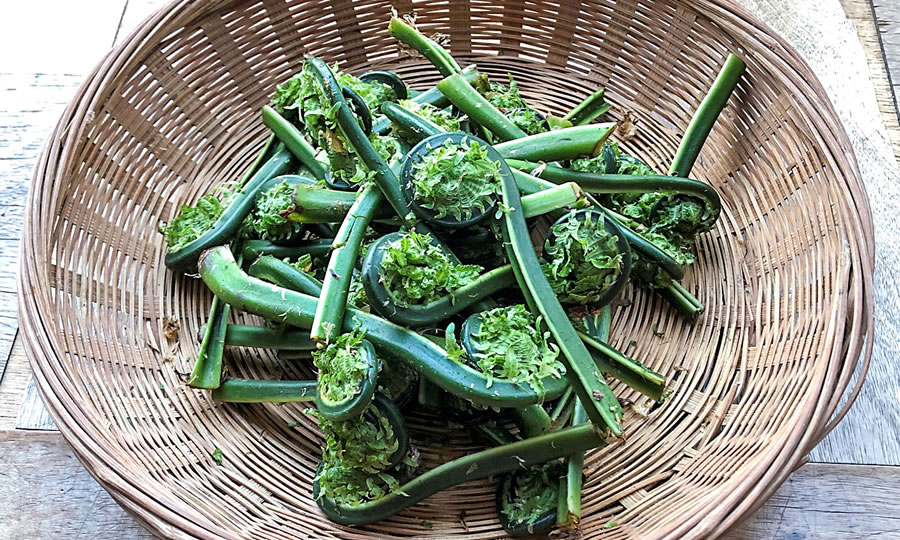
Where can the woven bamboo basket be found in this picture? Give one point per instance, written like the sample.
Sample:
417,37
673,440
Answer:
756,381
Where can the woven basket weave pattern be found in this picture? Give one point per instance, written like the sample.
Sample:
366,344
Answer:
785,275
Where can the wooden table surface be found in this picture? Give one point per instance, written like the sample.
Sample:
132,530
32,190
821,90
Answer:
850,488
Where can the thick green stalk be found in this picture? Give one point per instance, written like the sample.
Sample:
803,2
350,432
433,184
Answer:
432,96
333,298
632,373
706,115
434,53
562,511
253,391
598,184
590,386
682,300
293,140
253,249
416,124
492,434
262,337
490,462
320,205
560,144
467,99
532,420
565,414
588,110
561,404
571,494
552,199
264,154
316,204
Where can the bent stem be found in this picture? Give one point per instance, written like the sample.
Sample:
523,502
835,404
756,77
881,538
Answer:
569,511
427,47
682,300
627,370
432,96
532,421
284,275
416,124
321,205
207,370
253,249
600,184
382,175
284,339
264,154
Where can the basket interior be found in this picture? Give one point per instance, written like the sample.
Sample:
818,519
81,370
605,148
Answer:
182,115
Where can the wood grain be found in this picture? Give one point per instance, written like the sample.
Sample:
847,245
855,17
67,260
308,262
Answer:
887,17
829,502
870,32
47,493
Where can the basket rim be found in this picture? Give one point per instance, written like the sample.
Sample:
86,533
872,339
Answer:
166,515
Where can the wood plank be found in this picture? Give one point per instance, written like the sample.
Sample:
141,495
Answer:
829,501
887,17
46,493
861,14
